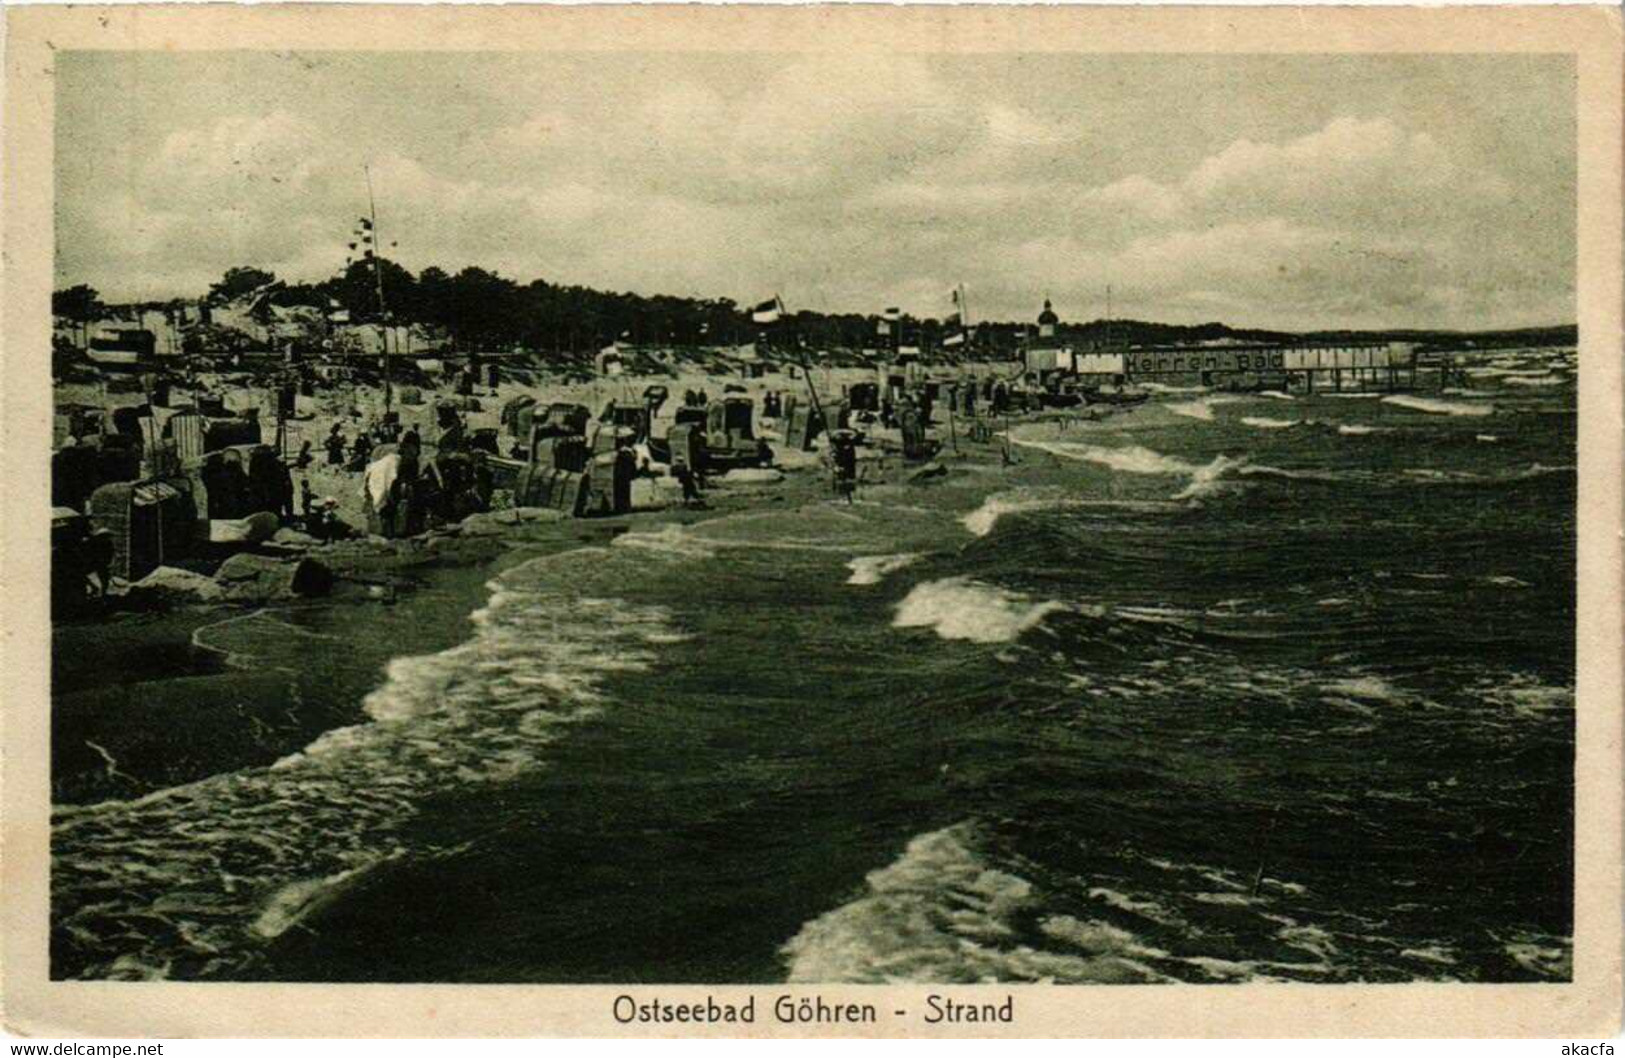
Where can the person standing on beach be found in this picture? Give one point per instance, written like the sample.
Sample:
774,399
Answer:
843,455
684,474
361,452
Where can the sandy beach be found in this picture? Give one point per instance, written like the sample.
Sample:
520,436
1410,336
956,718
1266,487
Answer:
184,707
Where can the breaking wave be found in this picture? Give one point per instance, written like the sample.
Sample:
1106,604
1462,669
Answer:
944,912
1193,409
672,539
1201,408
962,608
209,871
872,569
941,914
983,519
1438,407
1137,459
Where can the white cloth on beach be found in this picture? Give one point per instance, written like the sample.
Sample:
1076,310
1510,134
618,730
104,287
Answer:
380,478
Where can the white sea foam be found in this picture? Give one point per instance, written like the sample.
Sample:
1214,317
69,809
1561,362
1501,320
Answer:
1274,394
296,901
1539,953
1208,478
1526,696
939,912
1193,409
1137,459
1355,429
1262,423
1507,373
981,521
1537,380
961,608
1252,470
1371,688
204,866
872,569
1202,408
1438,407
1128,459
671,540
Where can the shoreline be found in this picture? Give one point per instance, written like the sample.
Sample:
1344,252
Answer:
184,709
703,767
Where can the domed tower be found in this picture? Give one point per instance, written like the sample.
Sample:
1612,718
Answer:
1047,321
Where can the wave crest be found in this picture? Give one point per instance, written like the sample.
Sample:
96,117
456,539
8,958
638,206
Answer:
962,608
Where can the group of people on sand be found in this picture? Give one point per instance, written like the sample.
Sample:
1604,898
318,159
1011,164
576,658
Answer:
360,449
237,491
406,492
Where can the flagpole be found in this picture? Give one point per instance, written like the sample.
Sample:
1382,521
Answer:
378,276
1108,316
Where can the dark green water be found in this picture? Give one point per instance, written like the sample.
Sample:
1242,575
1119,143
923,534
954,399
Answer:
1225,689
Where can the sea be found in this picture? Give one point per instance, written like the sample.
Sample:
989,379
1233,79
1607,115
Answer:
1227,688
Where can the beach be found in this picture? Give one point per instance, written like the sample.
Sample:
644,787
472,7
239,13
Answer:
1078,704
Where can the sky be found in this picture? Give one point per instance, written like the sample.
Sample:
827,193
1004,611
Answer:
1292,192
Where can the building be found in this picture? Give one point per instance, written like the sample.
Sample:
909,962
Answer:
1045,353
1047,322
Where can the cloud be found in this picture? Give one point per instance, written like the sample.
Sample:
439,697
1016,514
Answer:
848,182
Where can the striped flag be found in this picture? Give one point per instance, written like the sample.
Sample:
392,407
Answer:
770,311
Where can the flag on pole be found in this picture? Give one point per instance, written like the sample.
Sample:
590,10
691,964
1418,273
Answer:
956,338
770,311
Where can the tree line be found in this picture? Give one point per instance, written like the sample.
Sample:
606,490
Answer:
482,310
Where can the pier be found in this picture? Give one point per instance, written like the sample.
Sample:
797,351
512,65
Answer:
1333,367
